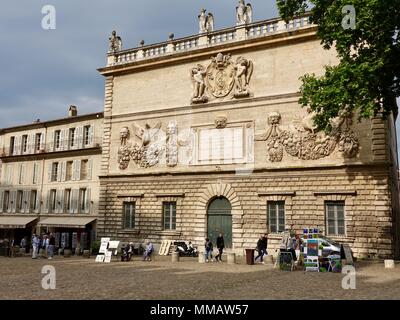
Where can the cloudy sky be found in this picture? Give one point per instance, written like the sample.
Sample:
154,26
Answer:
45,71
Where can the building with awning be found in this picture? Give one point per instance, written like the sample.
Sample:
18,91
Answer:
9,222
66,222
49,179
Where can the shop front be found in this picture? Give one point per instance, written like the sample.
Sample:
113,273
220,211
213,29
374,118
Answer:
72,233
13,229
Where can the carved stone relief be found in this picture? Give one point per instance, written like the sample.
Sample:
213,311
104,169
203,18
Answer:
243,73
222,77
301,141
153,142
172,144
220,122
198,74
125,149
146,153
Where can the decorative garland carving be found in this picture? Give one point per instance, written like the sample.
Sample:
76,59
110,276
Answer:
306,144
147,154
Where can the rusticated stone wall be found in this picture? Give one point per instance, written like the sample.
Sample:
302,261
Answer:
364,189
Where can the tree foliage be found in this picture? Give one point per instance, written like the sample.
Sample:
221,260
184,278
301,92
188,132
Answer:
367,78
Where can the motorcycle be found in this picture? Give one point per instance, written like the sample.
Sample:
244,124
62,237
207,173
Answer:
186,250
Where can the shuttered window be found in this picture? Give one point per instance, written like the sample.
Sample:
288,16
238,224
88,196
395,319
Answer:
57,139
54,171
53,201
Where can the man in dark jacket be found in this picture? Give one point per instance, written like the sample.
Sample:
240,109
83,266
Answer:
220,246
260,249
265,240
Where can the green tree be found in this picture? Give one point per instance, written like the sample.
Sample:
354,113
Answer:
367,78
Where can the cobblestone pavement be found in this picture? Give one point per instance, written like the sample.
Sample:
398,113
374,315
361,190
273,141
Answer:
77,278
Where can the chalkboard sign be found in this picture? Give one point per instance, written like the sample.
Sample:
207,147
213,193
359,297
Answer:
346,254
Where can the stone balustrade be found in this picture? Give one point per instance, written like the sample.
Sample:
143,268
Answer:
258,29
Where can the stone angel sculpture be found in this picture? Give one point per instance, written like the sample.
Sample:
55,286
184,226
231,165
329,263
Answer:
244,13
243,72
198,74
206,22
115,42
147,134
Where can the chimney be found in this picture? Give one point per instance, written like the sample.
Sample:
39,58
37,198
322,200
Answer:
73,111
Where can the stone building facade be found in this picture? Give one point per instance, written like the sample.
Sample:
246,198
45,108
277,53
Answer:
49,181
204,134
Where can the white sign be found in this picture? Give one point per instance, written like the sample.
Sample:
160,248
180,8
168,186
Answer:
113,245
100,258
103,245
107,256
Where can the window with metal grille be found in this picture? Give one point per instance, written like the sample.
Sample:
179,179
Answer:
335,218
276,216
129,215
169,215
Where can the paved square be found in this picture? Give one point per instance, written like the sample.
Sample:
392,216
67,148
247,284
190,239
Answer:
79,278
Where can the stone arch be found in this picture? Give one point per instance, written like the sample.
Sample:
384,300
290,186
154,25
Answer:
207,194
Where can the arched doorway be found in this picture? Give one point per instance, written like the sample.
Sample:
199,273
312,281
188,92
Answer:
219,220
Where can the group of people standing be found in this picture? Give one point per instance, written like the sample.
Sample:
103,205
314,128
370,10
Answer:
209,248
46,243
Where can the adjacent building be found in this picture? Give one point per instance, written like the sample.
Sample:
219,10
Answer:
205,134
49,179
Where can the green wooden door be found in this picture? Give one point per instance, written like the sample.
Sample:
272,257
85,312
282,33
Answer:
219,220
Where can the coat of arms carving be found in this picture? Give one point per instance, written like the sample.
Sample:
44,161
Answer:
224,76
220,76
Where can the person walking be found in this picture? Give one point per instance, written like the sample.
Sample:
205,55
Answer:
220,247
23,244
265,242
45,246
208,249
148,252
260,249
35,246
51,245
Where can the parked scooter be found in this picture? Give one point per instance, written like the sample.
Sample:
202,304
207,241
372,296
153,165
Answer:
186,250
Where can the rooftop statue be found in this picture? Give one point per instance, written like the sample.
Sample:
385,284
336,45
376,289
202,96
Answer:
115,42
206,22
244,13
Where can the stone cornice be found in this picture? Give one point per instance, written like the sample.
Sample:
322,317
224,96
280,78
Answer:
52,155
171,195
336,192
52,123
242,103
130,195
276,193
316,170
